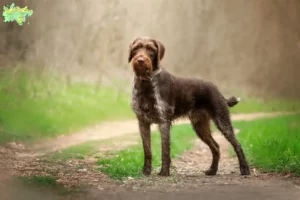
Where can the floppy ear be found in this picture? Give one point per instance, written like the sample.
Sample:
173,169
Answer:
160,49
130,49
130,53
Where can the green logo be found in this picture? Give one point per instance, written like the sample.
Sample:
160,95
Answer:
17,14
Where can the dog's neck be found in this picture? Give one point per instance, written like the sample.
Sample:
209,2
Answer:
155,72
150,76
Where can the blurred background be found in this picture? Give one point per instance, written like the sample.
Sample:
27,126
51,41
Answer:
67,69
248,47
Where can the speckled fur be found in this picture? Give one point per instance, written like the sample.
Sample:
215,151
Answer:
160,98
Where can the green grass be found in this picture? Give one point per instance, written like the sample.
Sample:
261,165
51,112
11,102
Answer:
46,182
77,151
34,105
129,162
248,105
92,148
40,180
273,145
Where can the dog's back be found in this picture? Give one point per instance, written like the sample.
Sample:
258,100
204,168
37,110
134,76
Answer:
186,94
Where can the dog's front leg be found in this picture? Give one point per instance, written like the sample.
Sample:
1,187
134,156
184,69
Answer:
164,129
146,138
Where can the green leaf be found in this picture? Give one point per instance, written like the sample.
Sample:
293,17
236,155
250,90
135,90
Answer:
16,14
12,5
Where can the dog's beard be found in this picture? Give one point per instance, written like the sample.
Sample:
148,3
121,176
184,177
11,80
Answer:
145,77
142,73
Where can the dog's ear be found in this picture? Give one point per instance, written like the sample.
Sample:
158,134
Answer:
130,49
160,49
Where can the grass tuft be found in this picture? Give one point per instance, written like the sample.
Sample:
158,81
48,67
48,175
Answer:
129,162
42,182
272,144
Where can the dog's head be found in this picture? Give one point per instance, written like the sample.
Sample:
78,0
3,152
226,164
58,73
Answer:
145,54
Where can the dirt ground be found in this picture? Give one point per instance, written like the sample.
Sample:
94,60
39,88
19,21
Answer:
113,129
186,182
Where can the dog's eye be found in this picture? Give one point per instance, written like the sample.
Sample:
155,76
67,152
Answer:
151,51
135,48
151,54
150,48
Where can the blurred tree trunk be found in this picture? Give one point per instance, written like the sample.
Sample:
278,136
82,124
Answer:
253,46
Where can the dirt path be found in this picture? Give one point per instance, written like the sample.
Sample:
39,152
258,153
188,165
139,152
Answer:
108,130
187,181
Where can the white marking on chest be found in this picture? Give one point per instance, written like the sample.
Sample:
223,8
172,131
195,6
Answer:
160,105
138,107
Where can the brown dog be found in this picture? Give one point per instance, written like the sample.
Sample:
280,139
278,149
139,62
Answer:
158,97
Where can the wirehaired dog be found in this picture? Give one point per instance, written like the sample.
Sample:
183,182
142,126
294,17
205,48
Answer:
159,97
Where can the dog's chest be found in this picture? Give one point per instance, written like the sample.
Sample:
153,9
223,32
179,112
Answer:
146,103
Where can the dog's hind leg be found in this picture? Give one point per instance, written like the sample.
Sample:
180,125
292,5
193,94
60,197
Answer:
201,125
222,120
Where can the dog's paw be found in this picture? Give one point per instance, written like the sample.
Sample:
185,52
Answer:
245,171
211,172
164,173
146,171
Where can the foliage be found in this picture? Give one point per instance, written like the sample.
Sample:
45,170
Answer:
272,144
17,14
36,105
129,162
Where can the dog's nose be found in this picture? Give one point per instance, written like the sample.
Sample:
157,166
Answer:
141,60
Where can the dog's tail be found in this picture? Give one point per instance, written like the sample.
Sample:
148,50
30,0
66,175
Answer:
232,101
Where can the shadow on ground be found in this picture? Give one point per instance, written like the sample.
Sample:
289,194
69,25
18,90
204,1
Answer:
230,192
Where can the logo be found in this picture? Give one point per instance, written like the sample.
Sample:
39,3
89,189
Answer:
16,14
